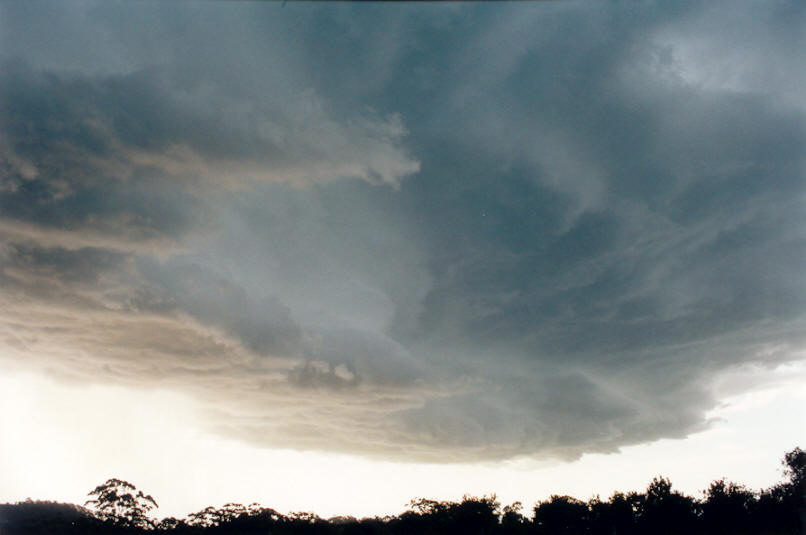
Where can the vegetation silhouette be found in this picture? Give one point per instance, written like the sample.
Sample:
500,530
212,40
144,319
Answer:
119,503
726,508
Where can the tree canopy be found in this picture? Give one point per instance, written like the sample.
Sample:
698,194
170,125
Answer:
725,508
120,503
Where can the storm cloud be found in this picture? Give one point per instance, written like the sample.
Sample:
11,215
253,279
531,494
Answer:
432,232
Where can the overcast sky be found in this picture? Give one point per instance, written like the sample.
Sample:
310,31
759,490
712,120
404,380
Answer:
401,233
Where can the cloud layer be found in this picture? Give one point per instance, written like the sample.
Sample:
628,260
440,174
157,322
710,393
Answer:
423,232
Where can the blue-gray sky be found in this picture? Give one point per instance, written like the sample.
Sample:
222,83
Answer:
414,232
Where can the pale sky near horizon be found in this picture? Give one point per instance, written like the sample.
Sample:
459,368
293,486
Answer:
153,440
333,256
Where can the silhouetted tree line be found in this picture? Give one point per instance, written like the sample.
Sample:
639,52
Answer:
726,508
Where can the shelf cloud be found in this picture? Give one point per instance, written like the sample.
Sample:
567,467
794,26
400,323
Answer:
450,233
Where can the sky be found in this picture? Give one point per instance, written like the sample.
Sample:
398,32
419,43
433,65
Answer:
334,256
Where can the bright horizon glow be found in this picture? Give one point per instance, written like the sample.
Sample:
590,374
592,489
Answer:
69,439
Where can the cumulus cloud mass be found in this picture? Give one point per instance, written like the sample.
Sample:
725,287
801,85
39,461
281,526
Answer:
436,232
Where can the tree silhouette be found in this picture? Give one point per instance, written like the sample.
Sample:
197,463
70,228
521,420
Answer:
666,511
782,508
512,520
726,508
120,503
617,515
795,469
475,516
561,515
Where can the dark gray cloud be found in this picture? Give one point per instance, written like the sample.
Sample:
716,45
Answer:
464,232
263,324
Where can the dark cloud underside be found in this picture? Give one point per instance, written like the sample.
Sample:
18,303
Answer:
440,232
